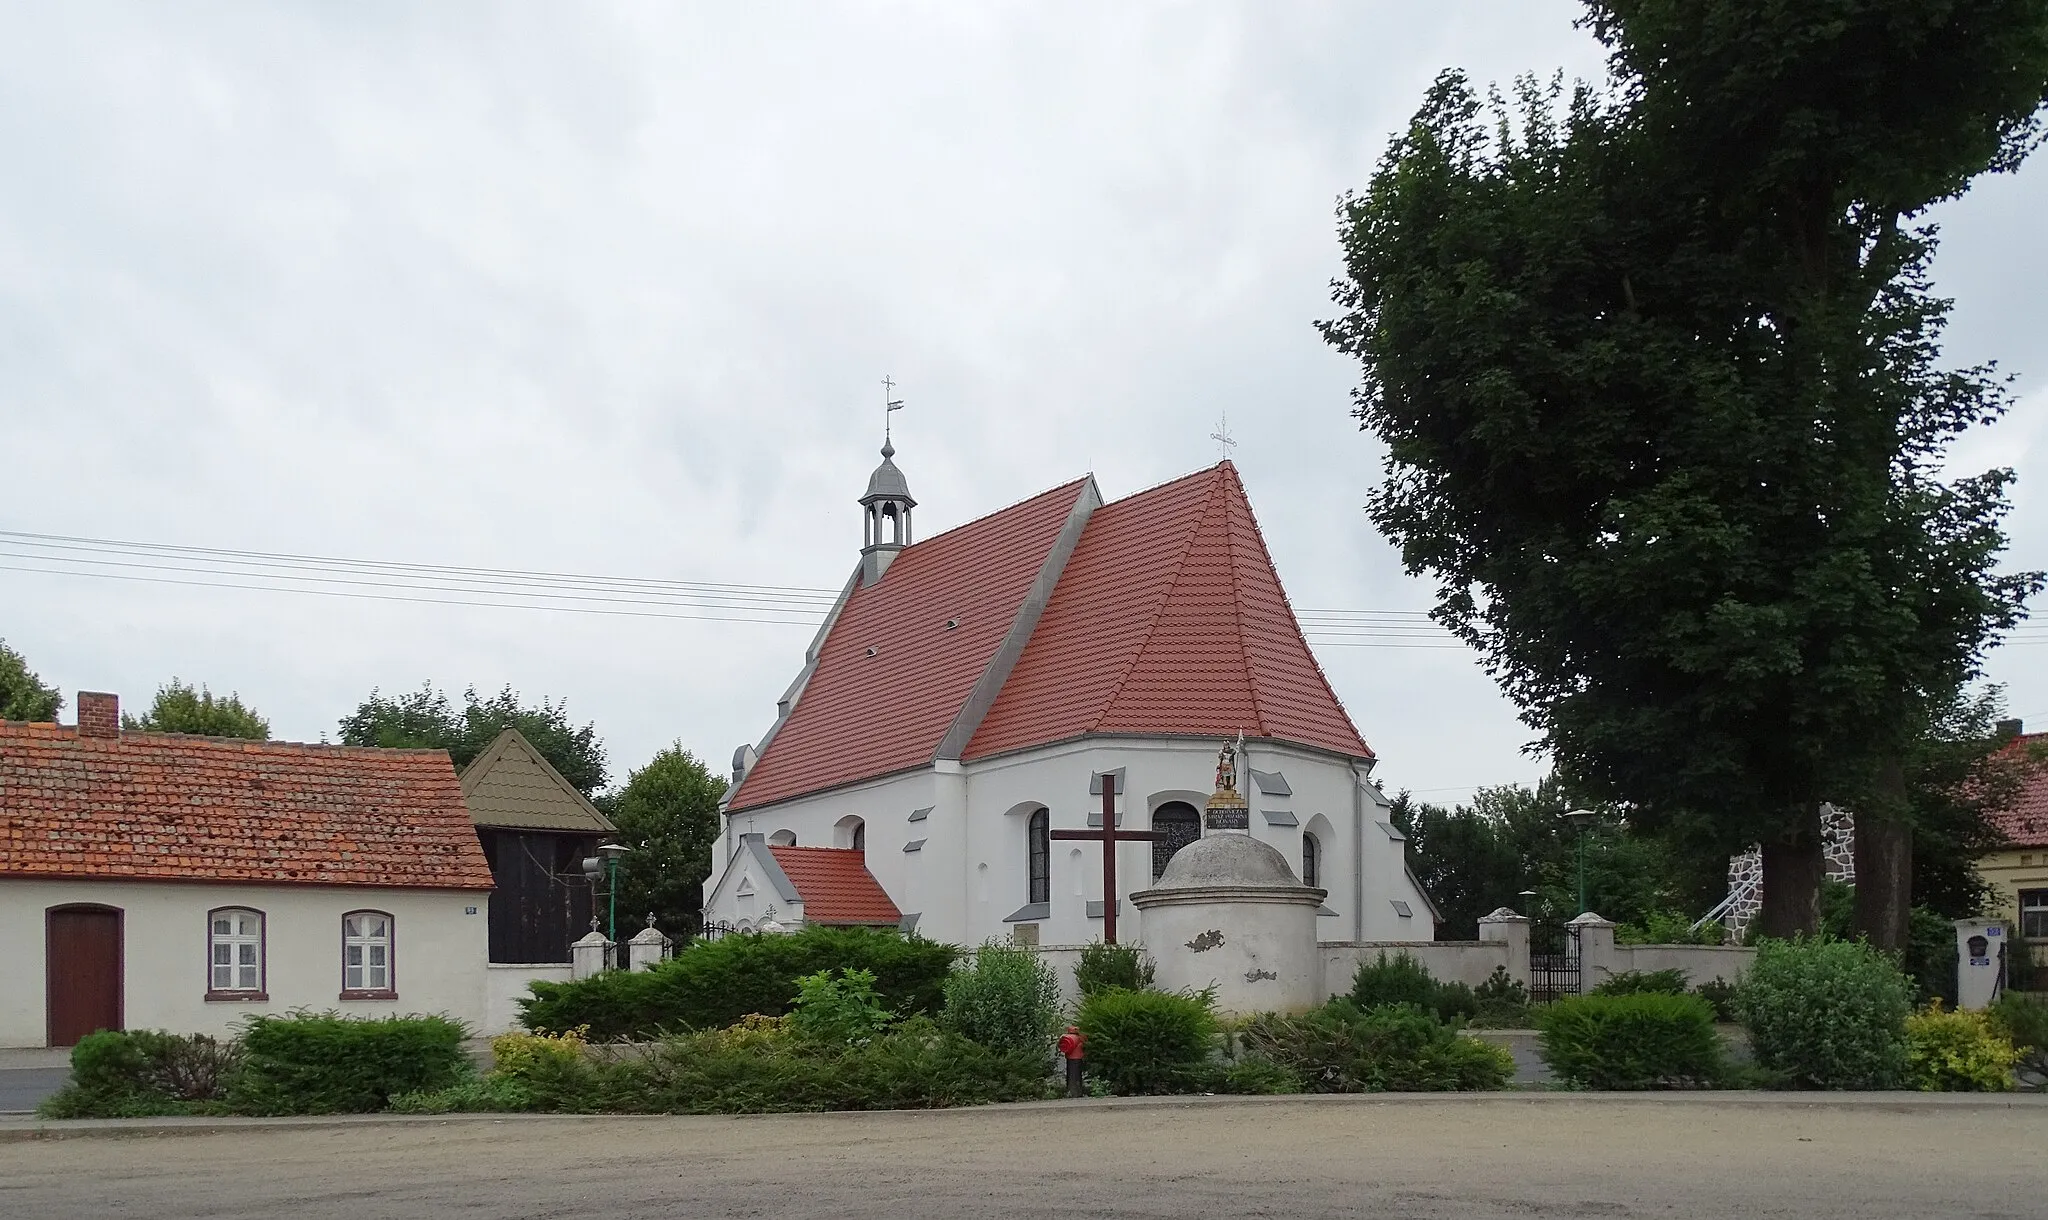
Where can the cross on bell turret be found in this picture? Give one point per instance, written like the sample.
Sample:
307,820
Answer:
885,509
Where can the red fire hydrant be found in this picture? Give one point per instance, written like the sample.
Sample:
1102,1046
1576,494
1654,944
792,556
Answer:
1071,1045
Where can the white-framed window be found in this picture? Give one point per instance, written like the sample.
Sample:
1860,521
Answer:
366,964
2034,914
234,951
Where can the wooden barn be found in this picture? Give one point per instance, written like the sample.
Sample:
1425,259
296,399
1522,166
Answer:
536,830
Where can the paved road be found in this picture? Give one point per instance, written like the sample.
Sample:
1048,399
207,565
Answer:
22,1088
1493,1158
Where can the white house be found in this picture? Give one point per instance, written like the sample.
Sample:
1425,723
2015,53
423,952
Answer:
972,692
154,880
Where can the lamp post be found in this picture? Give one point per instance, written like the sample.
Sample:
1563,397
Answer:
1580,819
611,852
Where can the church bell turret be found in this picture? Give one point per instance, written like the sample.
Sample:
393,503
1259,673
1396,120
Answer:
885,509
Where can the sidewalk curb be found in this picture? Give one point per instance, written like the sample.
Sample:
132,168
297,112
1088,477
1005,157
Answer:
1900,1103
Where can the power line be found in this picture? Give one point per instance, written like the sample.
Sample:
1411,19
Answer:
638,597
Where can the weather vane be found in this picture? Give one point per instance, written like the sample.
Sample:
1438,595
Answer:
890,404
1222,436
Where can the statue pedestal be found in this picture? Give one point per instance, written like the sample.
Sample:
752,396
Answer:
1230,914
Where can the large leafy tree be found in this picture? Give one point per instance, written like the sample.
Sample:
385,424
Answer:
180,708
1657,369
23,695
667,815
427,719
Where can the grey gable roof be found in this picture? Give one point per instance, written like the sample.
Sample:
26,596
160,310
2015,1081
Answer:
510,786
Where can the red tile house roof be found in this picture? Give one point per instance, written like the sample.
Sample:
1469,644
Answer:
1166,618
162,806
836,886
2024,822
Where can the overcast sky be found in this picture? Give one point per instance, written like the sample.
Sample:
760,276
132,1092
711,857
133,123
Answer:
610,289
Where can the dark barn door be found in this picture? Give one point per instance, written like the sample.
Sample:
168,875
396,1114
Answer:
542,902
82,952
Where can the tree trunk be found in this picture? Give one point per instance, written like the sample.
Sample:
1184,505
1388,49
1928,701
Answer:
1884,867
1793,867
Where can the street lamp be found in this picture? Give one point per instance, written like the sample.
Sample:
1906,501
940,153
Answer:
611,852
1580,819
1528,898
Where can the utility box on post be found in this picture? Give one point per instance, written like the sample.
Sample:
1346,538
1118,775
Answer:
1980,961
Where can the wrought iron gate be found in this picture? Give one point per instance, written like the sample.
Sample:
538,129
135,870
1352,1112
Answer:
1553,962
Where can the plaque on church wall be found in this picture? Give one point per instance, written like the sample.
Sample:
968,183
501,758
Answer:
1229,819
1024,935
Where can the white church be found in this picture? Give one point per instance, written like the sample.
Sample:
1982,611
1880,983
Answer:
972,693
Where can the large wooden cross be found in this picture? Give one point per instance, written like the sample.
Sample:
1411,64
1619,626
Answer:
1109,836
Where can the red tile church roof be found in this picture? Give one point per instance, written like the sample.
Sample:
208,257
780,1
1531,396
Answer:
835,885
2024,822
1170,619
170,807
1167,619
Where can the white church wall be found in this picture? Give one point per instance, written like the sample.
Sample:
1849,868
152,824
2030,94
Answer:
883,806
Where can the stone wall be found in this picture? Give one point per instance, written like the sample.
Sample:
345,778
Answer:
1450,961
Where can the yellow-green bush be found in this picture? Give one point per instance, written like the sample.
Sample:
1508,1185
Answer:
1957,1052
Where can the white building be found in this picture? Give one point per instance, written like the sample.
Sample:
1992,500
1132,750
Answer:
158,881
968,694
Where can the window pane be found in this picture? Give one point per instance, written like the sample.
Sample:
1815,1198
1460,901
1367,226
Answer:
248,953
376,955
248,978
2034,924
223,954
222,976
377,977
353,925
245,924
355,955
353,978
220,927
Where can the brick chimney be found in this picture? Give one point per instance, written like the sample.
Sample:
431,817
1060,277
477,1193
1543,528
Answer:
99,714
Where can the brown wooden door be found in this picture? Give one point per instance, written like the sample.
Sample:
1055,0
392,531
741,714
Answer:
83,951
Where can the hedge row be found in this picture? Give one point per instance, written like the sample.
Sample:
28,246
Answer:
712,984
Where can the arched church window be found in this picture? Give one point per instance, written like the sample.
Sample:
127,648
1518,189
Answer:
1311,859
1178,825
1038,843
860,836
783,838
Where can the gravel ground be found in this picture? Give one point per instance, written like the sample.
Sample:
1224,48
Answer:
1468,1158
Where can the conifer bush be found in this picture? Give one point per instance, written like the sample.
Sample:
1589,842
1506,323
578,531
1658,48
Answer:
1147,1041
325,1063
1826,1014
712,984
1006,999
1341,1048
1646,1039
144,1072
1104,967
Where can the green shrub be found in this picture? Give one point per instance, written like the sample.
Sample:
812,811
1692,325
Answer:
1826,1014
1958,1052
325,1063
838,1010
1112,967
1647,1039
1636,982
1006,999
914,1065
1720,993
714,983
1501,1002
143,1072
1146,1041
1670,928
2024,1018
1249,1075
1340,1048
1400,980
